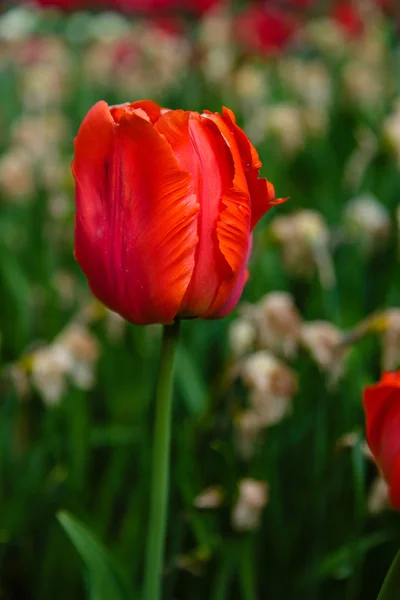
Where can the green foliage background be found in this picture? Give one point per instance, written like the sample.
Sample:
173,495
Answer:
89,454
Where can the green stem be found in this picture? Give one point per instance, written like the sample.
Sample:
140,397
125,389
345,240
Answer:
160,466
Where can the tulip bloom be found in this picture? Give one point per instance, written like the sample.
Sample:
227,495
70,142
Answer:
166,201
382,411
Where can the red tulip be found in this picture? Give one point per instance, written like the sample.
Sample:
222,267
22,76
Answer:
165,205
348,18
382,410
196,7
265,29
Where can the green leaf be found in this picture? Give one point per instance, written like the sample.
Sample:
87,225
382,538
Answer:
391,586
105,580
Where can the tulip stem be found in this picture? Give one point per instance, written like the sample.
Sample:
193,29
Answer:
160,466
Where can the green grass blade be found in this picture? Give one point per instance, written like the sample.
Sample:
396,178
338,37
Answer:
391,586
104,579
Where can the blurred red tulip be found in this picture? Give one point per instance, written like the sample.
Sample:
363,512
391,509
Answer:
134,6
165,205
292,4
348,17
265,29
382,411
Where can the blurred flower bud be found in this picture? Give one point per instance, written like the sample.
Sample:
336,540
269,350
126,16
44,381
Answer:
215,46
108,26
367,220
253,496
50,365
44,86
59,208
276,323
242,336
323,340
315,121
299,235
378,496
19,379
391,131
309,80
115,326
84,351
211,497
284,123
372,46
391,340
350,439
271,409
71,355
41,135
364,85
272,386
361,157
17,176
263,372
248,433
65,285
216,29
327,36
279,323
17,23
79,342
251,84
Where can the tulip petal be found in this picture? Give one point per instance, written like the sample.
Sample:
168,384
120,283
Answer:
233,228
93,146
145,108
262,192
262,195
201,149
377,405
234,293
389,448
140,262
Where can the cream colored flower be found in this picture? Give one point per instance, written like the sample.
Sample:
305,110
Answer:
242,336
277,322
17,175
285,124
50,366
391,340
71,356
248,431
378,496
211,497
253,496
271,384
323,340
303,238
367,220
